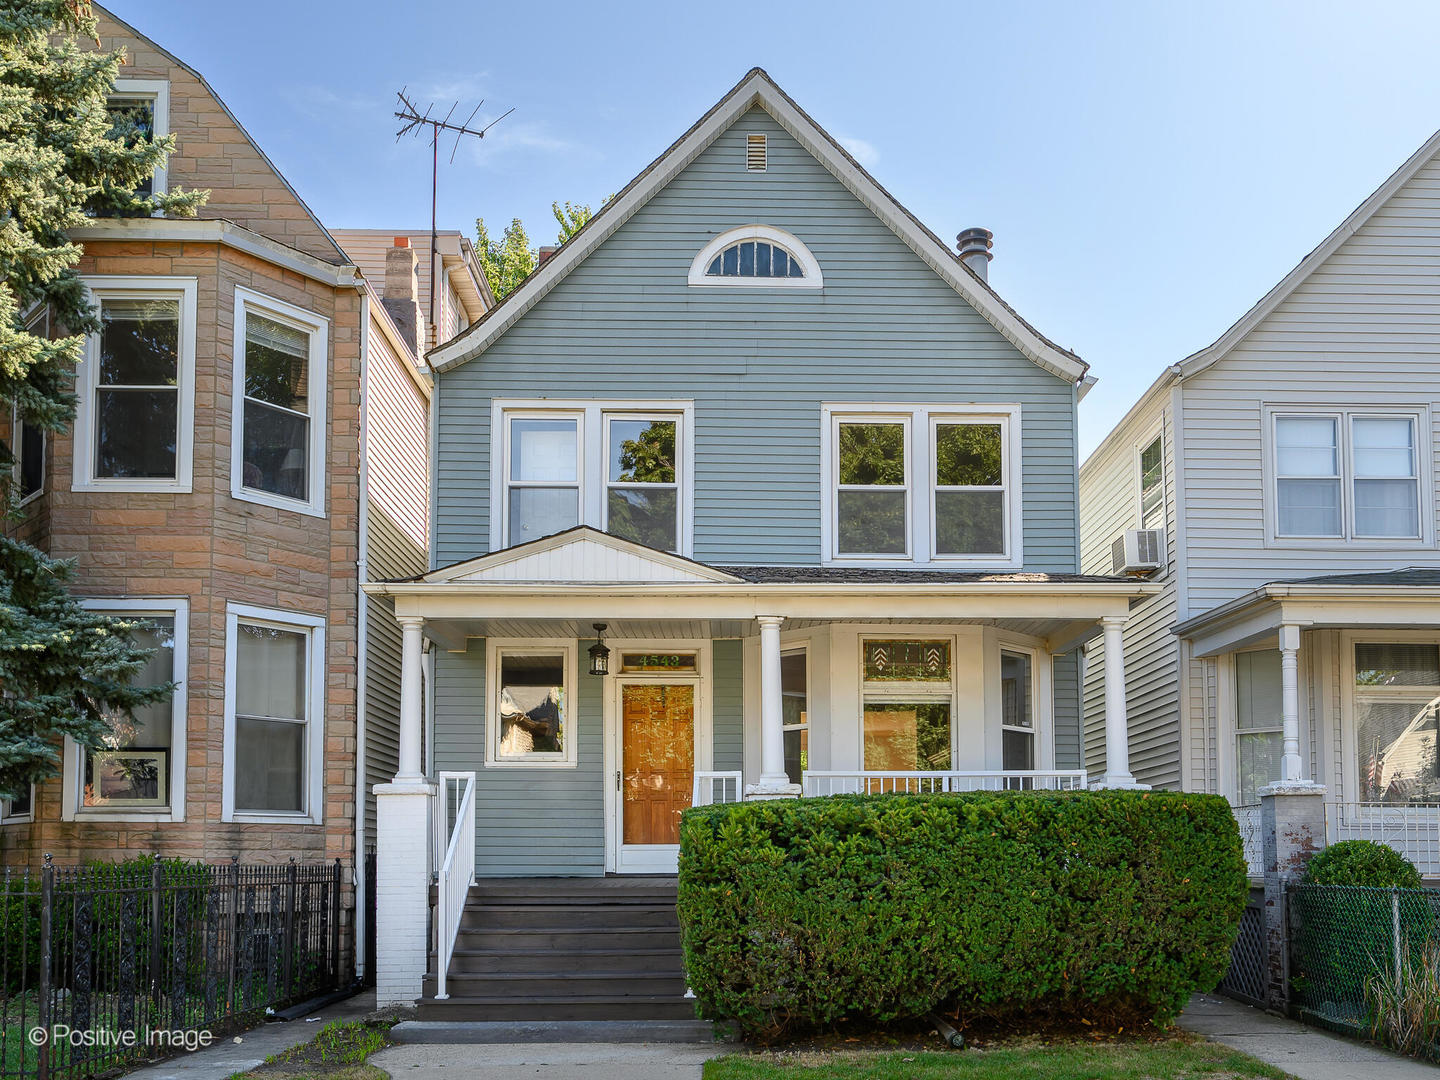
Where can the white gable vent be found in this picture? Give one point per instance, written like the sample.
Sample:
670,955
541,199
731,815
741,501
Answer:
1138,551
755,153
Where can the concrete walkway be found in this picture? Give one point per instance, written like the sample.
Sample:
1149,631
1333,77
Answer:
1307,1052
549,1061
237,1053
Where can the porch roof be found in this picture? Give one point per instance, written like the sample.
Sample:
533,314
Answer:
582,575
1403,598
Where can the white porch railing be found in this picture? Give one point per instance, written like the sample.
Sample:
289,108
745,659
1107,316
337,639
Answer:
932,783
1251,841
456,862
1412,829
716,787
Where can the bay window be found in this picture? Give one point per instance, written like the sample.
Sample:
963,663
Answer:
277,454
921,485
134,425
1396,700
1349,474
622,468
274,715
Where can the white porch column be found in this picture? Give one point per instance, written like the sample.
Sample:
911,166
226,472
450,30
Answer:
402,846
412,705
774,783
1117,728
1292,765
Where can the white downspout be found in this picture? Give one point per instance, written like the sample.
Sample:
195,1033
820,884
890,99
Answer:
362,521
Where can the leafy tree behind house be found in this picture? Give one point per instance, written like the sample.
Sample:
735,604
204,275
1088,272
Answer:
67,156
510,259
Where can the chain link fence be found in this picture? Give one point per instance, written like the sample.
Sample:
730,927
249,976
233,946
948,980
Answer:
1344,940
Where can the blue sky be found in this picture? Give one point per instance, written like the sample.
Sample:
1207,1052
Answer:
1149,170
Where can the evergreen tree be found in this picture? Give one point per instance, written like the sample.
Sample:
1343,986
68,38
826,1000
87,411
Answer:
65,157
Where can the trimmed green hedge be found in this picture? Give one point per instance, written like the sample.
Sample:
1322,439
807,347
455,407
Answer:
1364,863
1114,905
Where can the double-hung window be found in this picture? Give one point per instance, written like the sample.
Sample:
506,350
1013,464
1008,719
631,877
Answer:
134,425
139,770
922,485
278,452
1349,474
622,468
795,712
141,107
274,714
1259,723
1152,484
27,442
1017,714
1397,701
908,692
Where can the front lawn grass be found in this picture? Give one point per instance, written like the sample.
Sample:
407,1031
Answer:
1172,1059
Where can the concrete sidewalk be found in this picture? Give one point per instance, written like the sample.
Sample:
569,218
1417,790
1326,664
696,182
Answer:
549,1061
1307,1052
237,1053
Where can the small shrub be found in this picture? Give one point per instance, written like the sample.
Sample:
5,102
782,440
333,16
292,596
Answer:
1364,863
1112,905
1405,1004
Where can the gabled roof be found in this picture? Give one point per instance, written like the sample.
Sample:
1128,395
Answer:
758,89
342,258
580,554
1357,220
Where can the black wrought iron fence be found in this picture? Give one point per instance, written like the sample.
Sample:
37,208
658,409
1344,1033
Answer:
1353,950
102,965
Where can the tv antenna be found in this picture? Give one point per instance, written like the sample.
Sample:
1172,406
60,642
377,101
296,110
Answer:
412,121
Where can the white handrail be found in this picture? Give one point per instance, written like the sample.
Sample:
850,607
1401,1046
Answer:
706,783
871,782
456,873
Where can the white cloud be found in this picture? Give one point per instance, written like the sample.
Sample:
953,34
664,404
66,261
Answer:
862,151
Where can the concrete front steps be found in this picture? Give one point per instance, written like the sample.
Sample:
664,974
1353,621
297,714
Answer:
564,950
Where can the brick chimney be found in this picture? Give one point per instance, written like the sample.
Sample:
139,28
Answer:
545,253
402,292
974,246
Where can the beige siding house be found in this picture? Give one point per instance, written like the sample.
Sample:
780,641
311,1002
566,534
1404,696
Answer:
1298,469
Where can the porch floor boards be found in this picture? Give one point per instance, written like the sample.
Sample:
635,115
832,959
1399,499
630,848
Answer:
564,949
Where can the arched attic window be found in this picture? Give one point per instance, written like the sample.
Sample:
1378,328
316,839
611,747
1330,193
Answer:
756,257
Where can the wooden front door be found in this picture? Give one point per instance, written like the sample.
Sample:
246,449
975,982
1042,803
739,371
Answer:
657,739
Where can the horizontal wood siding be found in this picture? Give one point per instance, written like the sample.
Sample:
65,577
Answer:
1109,504
727,706
1362,330
390,553
396,436
757,363
1068,735
527,821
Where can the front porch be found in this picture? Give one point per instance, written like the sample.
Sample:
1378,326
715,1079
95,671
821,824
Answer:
584,691
1331,684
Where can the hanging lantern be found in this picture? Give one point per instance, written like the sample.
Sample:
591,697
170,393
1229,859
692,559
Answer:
599,654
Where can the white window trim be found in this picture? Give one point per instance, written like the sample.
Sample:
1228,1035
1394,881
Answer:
1144,444
905,420
494,648
18,819
1419,415
813,279
881,693
99,288
801,648
1228,718
313,627
1041,758
1349,770
919,467
72,776
318,328
159,91
593,471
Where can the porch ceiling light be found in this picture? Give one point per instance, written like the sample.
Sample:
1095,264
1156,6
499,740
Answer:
599,654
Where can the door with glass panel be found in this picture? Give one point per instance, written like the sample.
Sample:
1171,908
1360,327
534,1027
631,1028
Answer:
655,771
